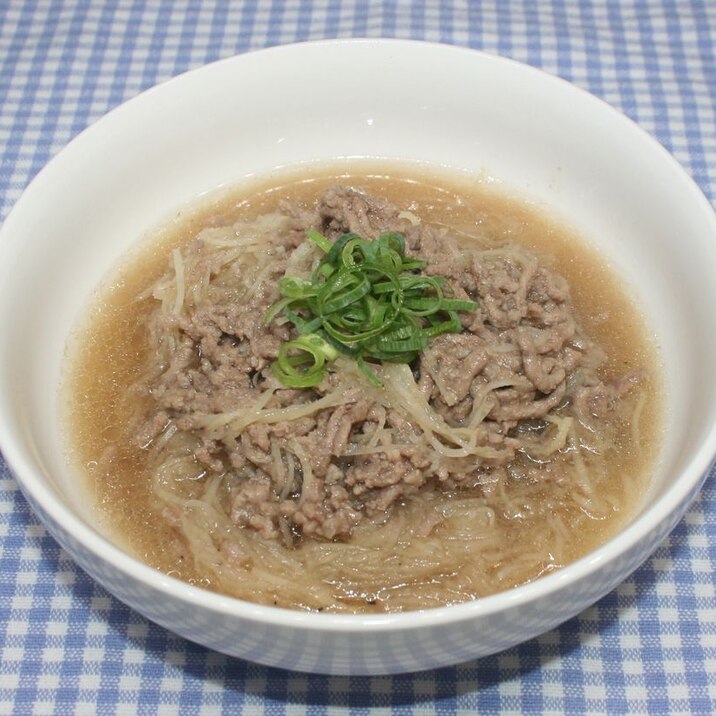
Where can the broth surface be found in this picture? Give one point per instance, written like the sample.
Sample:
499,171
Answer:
108,351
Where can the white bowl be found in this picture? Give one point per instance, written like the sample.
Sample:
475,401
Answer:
451,107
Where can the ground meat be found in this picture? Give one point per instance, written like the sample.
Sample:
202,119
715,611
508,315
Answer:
520,357
595,401
452,361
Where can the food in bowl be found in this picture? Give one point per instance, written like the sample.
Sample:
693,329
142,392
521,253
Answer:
539,136
381,389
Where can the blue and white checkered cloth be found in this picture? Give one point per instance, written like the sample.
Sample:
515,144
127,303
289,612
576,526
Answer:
67,647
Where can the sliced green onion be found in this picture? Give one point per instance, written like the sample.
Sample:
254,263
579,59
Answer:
319,239
294,287
301,362
365,299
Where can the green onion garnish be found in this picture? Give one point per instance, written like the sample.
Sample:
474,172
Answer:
365,299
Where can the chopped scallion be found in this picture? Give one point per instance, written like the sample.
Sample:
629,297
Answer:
365,299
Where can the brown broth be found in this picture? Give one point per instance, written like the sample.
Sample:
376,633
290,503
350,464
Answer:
107,351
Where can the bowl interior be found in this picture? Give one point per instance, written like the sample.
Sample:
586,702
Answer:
251,115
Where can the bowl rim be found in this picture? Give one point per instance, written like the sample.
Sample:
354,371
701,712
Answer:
671,504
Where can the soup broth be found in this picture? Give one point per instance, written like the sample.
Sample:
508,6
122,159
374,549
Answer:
448,540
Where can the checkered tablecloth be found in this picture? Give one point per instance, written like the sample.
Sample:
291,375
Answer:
67,646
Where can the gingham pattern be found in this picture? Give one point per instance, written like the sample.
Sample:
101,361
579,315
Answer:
66,646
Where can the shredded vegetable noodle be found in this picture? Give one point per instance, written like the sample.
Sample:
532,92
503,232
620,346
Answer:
349,403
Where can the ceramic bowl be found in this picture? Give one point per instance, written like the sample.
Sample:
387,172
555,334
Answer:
248,115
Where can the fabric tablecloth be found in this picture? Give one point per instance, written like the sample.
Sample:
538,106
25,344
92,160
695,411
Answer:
67,646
